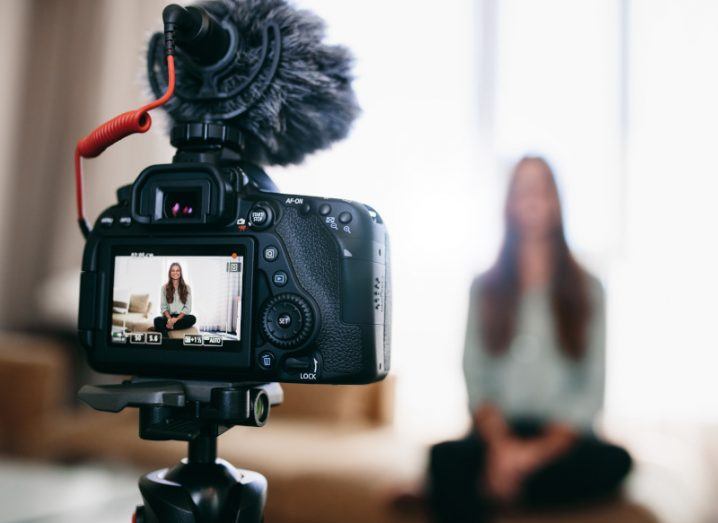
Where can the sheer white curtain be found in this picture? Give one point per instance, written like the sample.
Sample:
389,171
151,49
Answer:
620,96
665,284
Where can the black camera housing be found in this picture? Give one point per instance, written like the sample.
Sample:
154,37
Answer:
322,263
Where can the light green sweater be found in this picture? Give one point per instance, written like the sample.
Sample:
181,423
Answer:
533,378
176,307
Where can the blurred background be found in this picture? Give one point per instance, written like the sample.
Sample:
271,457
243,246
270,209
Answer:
619,95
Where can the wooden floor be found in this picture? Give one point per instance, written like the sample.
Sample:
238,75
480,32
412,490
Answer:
676,480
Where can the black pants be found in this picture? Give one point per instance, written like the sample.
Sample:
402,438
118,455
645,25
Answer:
589,470
185,323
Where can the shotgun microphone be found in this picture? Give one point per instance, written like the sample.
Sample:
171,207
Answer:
259,69
196,33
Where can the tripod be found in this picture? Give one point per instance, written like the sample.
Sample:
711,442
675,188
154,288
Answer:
201,488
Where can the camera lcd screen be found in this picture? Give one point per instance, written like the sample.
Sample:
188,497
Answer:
177,301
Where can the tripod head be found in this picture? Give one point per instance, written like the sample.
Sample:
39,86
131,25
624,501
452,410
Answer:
186,410
201,488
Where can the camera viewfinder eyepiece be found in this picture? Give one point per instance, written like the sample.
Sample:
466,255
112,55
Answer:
182,194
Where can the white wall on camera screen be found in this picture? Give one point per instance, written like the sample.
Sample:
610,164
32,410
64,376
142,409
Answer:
216,291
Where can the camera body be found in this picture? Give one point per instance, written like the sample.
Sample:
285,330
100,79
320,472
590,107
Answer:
282,287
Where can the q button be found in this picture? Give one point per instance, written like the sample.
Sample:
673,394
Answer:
271,253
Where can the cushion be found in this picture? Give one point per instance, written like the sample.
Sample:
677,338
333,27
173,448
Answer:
139,303
132,321
138,323
178,334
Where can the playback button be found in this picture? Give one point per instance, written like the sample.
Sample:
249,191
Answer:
280,278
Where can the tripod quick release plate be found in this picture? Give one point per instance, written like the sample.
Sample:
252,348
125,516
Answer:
184,410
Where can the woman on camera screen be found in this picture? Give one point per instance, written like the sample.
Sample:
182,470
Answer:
534,369
176,303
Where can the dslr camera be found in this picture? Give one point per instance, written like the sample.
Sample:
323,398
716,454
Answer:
202,269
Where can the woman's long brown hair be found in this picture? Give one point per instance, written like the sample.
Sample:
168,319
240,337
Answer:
500,289
181,287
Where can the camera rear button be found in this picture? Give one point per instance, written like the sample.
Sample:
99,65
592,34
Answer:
325,209
107,221
125,221
271,253
260,216
279,278
266,360
345,217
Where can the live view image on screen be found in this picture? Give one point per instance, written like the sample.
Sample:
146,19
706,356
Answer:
177,301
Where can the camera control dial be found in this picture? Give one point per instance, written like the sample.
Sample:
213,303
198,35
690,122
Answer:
287,320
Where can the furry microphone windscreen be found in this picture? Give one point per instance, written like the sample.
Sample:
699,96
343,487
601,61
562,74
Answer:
287,91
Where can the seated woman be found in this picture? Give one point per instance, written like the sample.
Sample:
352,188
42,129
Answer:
176,303
534,368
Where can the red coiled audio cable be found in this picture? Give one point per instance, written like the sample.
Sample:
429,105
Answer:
111,132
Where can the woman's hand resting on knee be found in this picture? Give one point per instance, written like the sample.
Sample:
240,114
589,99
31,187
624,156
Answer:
509,459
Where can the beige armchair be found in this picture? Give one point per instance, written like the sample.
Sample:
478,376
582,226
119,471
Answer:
133,316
